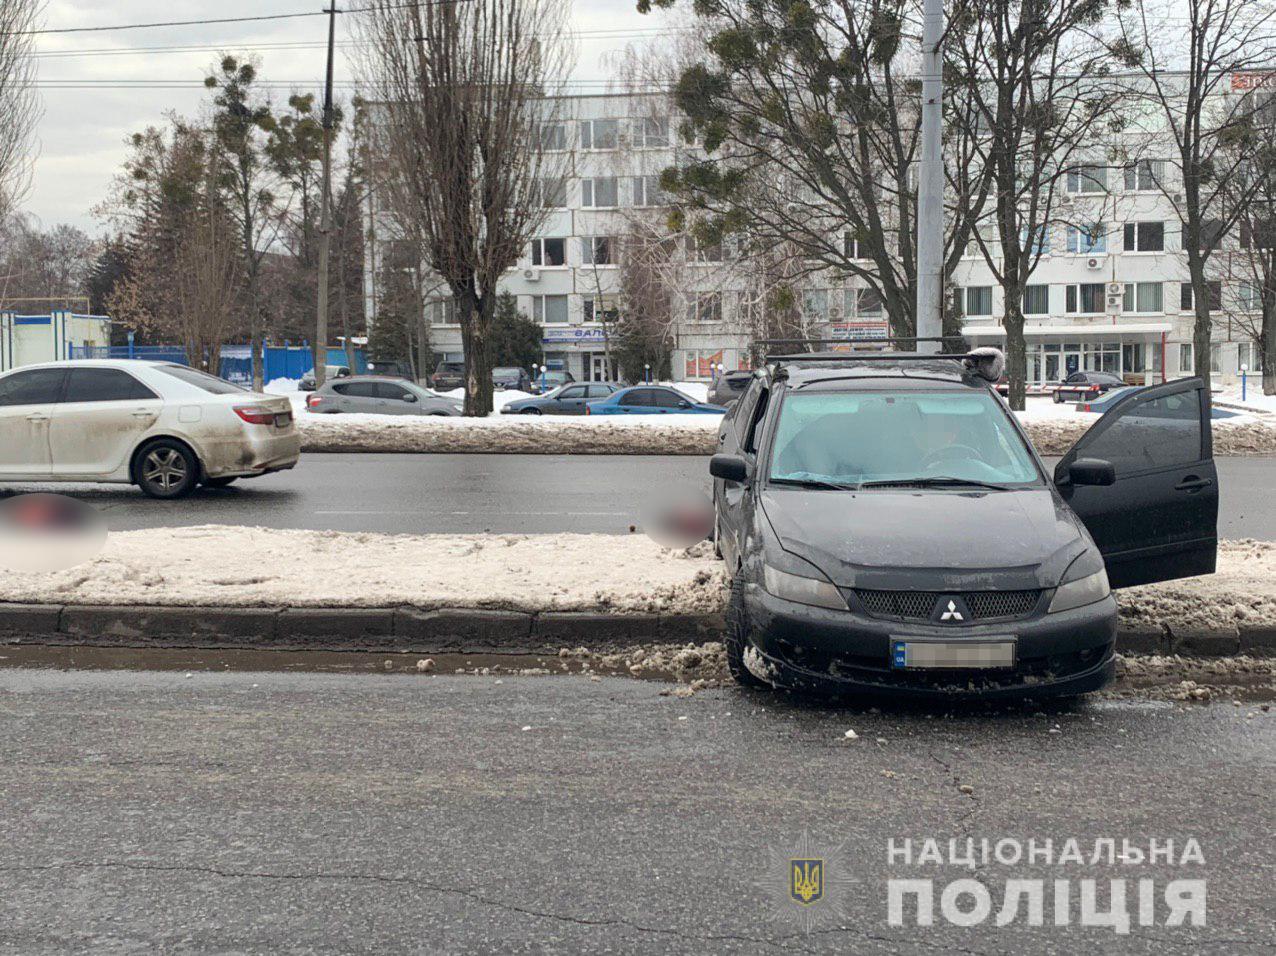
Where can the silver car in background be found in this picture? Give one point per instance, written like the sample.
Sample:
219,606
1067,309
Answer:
379,395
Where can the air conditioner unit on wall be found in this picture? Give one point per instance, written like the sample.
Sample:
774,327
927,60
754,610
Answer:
532,275
1116,288
1095,262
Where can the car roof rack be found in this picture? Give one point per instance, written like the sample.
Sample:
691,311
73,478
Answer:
986,362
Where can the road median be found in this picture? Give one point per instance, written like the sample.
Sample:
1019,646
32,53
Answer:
235,587
645,435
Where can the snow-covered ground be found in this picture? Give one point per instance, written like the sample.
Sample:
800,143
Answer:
1254,399
256,567
230,566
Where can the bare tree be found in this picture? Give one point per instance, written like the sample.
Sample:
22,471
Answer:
464,104
1037,79
19,101
1187,54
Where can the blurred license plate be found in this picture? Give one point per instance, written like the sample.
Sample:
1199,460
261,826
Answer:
939,654
283,420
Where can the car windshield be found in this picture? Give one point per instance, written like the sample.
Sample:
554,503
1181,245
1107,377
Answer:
855,438
209,383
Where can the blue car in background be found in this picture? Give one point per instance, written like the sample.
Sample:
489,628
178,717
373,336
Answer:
651,400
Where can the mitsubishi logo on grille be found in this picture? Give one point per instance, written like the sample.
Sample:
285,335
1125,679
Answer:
950,609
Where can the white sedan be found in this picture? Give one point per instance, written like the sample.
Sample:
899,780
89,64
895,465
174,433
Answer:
163,427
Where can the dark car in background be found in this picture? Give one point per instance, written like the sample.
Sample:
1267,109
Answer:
547,381
447,376
390,369
651,400
889,529
567,399
510,378
1082,386
307,383
729,387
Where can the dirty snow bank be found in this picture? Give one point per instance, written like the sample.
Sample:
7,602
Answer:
257,567
1243,592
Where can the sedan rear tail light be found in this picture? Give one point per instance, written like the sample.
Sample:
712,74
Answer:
255,414
313,400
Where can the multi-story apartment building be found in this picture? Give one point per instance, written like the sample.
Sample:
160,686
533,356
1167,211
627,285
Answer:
1111,294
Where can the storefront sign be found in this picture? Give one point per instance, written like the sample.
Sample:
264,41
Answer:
568,336
1265,80
859,331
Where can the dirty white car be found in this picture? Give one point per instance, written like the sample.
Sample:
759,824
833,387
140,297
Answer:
166,428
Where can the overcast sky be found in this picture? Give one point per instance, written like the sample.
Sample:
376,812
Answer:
82,135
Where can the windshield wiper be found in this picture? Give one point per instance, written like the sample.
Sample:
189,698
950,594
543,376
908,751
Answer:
814,483
936,481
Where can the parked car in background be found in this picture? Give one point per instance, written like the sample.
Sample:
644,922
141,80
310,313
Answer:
447,376
1081,386
380,395
546,382
1108,399
651,400
567,399
512,379
390,369
307,383
166,428
729,387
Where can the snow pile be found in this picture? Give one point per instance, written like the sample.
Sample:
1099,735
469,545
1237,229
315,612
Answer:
281,386
500,397
1242,592
512,434
256,567
1254,400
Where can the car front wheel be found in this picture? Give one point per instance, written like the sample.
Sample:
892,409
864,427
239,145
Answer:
531,411
166,469
737,638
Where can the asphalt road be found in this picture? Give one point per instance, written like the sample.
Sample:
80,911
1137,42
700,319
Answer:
164,812
510,494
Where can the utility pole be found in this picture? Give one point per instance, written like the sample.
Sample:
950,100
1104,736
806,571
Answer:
930,184
325,215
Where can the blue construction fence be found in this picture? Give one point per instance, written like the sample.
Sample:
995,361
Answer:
281,361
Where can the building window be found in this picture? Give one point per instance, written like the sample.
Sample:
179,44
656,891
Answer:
598,192
705,307
1250,297
1143,297
599,134
1087,179
1247,356
852,248
709,252
1036,300
1216,359
1185,357
1145,237
554,136
1132,357
1084,299
702,363
1087,240
1187,297
647,191
1039,242
601,308
1258,234
1145,175
549,252
549,309
979,300
651,132
865,303
815,305
552,193
597,251
441,311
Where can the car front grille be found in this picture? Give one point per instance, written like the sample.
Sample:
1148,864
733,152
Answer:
920,605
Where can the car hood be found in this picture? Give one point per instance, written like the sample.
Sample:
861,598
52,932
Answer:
929,539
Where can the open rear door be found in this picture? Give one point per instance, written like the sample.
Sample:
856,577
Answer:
1160,519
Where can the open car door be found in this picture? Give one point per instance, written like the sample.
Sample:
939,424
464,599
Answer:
1159,519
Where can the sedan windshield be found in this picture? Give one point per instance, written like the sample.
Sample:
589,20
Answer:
942,439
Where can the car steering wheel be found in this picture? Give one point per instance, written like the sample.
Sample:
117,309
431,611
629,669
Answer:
946,454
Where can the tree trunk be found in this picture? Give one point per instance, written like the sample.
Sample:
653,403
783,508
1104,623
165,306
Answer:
1202,326
1267,343
1016,348
478,366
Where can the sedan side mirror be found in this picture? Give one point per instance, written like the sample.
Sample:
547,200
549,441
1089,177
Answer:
684,404
409,397
1091,471
729,468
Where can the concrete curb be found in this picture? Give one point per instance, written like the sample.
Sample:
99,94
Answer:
467,630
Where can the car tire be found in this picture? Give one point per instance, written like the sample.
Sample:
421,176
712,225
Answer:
166,469
220,482
736,639
530,411
1058,399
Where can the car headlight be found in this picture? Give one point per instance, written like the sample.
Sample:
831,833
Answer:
1079,593
800,590
507,410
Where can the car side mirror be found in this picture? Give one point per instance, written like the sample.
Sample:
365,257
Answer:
729,468
684,404
1091,471
410,397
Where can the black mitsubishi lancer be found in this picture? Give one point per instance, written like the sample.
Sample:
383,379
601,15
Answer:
889,528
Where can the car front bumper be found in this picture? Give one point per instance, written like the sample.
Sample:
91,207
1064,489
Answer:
825,651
